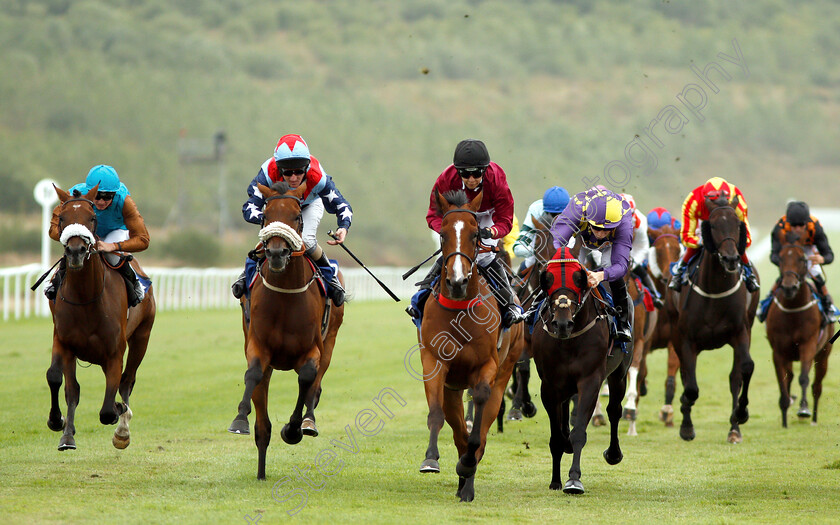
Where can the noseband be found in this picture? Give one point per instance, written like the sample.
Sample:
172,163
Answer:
90,246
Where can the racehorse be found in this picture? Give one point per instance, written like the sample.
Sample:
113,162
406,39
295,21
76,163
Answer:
795,330
643,326
462,345
665,249
285,332
716,309
90,323
574,354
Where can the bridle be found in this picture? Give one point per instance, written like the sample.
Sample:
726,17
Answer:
718,244
470,259
90,249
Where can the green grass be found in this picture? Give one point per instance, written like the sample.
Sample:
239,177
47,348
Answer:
183,467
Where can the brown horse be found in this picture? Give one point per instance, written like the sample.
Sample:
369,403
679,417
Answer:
574,354
716,309
643,326
285,332
665,250
90,323
462,345
796,331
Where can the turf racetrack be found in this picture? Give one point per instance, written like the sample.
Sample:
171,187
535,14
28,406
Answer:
184,467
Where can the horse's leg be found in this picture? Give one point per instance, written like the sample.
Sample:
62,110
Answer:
291,432
529,409
434,396
262,423
453,412
558,441
485,414
71,397
688,370
137,345
111,411
598,419
806,360
666,414
515,413
468,418
55,421
820,369
253,376
782,368
739,379
587,398
618,382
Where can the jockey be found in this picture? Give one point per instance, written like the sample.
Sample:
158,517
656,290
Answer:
473,172
694,210
798,220
542,211
641,249
293,164
603,222
659,217
119,226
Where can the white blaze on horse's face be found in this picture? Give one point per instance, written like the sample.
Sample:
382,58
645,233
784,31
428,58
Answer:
458,267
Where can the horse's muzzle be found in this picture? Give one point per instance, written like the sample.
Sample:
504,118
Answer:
278,259
789,291
457,289
731,263
75,253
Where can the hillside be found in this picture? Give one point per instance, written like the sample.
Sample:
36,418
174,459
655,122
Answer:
383,91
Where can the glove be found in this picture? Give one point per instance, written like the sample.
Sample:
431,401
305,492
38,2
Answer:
485,233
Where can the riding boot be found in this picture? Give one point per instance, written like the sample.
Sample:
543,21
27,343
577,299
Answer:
336,292
504,293
640,272
764,305
677,276
623,328
829,309
238,286
434,271
749,278
132,284
52,288
533,310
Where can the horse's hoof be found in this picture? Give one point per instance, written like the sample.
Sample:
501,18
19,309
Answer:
734,437
514,415
803,413
613,459
629,414
67,443
121,442
529,409
430,465
687,433
465,471
290,435
598,421
308,427
573,486
239,426
56,426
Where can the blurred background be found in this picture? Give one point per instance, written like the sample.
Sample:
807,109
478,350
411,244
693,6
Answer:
187,98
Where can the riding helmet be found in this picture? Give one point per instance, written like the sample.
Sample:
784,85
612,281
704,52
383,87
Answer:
105,176
471,153
291,152
555,199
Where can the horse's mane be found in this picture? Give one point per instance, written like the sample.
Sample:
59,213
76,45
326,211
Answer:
281,187
456,198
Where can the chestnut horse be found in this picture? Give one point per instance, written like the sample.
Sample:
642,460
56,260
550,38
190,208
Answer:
284,332
796,331
462,344
90,323
716,309
574,354
665,250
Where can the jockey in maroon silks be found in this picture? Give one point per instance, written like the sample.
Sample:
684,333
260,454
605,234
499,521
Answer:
602,221
472,172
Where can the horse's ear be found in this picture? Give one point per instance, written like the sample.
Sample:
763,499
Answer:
264,190
706,236
736,201
580,280
442,205
546,280
653,234
742,238
300,191
475,204
63,196
92,193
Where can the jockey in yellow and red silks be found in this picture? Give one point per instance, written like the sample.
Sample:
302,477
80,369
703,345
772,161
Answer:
694,211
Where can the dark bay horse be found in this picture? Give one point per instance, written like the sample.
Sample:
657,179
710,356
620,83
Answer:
462,345
284,332
90,323
665,250
574,354
796,331
716,309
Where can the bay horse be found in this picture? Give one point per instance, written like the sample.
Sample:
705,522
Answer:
462,344
665,250
716,309
92,323
574,353
285,328
796,331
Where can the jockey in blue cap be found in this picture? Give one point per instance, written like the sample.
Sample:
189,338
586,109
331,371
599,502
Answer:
541,211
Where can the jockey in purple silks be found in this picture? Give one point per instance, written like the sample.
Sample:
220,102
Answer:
602,221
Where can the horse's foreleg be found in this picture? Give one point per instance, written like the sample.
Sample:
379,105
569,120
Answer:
820,369
291,432
740,380
55,421
632,396
666,414
805,351
588,392
434,396
688,370
262,423
110,412
782,378
558,440
253,376
618,382
71,397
